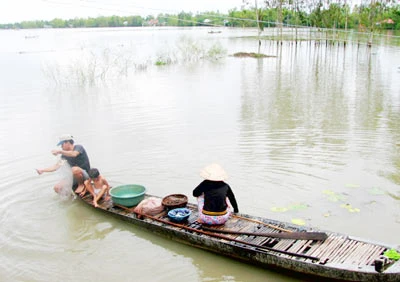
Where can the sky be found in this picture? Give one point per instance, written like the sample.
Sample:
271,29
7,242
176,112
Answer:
12,11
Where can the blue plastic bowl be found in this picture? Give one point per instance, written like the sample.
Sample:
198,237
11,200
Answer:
179,214
127,195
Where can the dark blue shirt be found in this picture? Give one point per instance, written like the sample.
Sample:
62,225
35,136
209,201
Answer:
82,160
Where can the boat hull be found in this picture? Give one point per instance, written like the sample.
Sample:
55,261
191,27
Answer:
324,259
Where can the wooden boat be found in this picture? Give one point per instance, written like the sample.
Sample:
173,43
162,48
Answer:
272,244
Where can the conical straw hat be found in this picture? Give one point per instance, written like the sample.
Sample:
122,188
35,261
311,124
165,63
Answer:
214,172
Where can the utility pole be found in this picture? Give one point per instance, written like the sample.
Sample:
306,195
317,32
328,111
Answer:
258,27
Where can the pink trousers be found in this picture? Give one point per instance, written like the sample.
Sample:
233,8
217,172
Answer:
213,219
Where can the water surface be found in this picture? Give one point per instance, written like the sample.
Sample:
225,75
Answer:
309,135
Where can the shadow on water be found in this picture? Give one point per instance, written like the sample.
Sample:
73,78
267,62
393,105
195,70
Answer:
192,264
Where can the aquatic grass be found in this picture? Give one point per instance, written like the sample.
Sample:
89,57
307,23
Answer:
85,72
190,50
52,72
90,67
122,62
165,58
216,51
252,55
160,63
142,66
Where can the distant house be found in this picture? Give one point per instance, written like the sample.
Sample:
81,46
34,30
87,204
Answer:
207,22
153,22
386,21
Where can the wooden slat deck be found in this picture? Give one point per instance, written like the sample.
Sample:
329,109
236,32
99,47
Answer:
337,251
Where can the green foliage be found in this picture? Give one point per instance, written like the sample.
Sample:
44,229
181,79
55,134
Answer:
324,14
244,18
160,63
185,19
168,20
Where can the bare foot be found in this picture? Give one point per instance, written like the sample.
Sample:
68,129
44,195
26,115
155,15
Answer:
95,204
80,189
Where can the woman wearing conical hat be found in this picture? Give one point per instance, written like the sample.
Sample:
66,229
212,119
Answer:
215,198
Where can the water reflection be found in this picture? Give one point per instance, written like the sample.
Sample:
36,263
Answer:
317,107
315,114
315,126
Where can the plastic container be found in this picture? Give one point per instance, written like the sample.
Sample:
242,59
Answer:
179,214
128,195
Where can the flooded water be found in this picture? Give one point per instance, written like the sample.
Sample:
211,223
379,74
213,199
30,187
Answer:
308,135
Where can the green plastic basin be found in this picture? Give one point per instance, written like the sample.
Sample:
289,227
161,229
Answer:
127,195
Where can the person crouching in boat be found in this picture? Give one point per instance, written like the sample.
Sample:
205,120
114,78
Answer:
77,158
97,186
215,198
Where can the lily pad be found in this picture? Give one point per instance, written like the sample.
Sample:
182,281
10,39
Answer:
293,207
392,254
332,196
298,207
298,221
376,191
350,208
327,214
350,185
276,209
396,197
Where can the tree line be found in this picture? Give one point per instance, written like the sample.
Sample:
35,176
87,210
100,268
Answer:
336,14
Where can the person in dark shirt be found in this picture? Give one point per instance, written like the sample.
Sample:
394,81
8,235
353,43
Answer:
76,157
215,198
